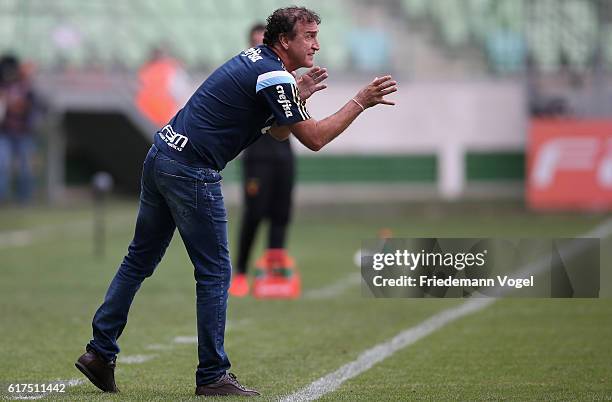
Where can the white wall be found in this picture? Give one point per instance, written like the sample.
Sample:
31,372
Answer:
428,116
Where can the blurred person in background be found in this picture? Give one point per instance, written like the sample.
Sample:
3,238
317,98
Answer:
252,94
268,172
163,87
17,143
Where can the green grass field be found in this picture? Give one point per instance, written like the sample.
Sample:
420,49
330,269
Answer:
514,349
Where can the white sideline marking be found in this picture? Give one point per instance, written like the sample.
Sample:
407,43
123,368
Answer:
158,346
378,353
135,359
16,238
381,351
185,339
26,237
335,288
229,325
73,382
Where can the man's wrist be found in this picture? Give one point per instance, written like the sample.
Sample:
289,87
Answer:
358,104
300,96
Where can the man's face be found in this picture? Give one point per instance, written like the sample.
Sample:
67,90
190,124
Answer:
304,45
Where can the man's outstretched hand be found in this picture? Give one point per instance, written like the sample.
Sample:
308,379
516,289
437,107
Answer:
374,93
310,82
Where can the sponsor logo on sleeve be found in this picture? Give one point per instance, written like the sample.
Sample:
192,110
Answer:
283,101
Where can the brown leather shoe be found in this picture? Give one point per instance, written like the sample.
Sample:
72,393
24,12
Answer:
100,372
226,385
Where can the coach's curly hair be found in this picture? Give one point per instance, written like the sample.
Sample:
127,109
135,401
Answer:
283,20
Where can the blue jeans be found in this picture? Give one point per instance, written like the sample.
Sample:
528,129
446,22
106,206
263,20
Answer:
190,199
19,149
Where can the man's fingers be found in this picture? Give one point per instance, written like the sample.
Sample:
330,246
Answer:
318,88
314,71
387,102
387,84
319,73
379,80
388,91
321,77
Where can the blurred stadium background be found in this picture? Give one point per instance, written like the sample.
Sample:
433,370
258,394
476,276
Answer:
474,73
503,127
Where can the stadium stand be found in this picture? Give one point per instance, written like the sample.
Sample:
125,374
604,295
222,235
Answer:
202,33
555,33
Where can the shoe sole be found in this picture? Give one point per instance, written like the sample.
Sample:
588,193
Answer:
91,377
216,393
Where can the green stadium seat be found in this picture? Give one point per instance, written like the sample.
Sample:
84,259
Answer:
34,45
415,8
579,37
606,41
543,33
202,10
139,41
480,18
8,7
452,21
8,32
510,14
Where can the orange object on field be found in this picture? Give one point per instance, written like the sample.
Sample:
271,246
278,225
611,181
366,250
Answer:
239,286
276,276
